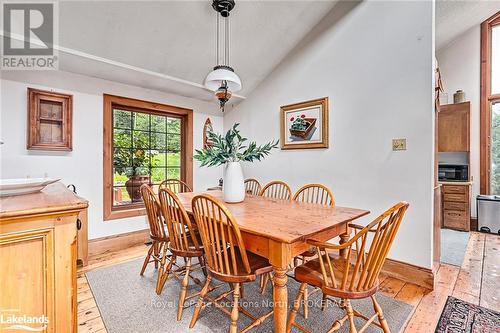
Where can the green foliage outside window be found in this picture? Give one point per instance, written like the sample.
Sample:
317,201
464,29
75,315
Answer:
495,149
145,144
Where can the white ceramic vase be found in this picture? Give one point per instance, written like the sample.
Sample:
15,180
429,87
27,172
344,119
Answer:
234,183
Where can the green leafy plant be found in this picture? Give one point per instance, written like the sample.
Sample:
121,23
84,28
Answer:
299,123
232,148
126,163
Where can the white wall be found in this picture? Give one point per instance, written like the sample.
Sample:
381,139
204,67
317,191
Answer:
374,61
83,166
460,66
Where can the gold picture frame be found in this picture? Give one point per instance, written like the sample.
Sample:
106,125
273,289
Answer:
304,125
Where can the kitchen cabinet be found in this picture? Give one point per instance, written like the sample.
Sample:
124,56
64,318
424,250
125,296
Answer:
38,252
456,205
454,127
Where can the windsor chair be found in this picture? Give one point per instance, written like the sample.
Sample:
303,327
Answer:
175,185
252,186
160,240
355,275
184,243
227,259
277,190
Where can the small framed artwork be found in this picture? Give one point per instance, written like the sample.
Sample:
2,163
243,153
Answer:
305,125
207,128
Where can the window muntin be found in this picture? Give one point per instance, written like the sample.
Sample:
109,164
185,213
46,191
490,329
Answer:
147,145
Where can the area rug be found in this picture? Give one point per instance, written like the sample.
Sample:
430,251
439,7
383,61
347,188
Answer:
453,246
128,303
462,317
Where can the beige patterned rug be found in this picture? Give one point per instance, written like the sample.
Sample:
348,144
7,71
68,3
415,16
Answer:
128,303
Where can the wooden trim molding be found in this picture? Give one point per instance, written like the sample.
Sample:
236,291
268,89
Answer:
118,242
485,102
43,120
421,276
110,101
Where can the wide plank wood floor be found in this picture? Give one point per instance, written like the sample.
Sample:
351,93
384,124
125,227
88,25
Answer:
477,282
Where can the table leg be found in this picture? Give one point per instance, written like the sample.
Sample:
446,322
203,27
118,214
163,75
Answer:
280,298
343,239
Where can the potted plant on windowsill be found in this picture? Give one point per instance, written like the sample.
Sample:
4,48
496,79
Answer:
136,170
229,150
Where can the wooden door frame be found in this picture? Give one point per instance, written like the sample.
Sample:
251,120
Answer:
485,102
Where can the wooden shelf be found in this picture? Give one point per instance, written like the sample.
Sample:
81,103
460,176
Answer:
49,120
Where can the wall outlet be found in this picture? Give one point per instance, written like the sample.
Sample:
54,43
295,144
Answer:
398,144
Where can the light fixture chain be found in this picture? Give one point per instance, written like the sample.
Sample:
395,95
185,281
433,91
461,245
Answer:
217,41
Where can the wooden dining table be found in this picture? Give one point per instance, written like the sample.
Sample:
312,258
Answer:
278,230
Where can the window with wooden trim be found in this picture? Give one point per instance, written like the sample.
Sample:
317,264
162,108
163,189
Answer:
490,106
144,143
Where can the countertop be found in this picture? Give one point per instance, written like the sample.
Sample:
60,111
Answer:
455,183
53,198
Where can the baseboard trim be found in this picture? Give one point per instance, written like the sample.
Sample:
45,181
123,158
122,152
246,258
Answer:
421,276
102,245
394,268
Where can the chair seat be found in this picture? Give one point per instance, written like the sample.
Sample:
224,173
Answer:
258,266
310,273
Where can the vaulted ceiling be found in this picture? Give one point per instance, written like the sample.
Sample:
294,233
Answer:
170,45
453,18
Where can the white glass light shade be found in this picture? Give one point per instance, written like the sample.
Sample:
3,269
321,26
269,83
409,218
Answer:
215,78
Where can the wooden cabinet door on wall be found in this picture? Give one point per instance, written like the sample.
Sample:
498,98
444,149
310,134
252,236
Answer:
454,127
49,120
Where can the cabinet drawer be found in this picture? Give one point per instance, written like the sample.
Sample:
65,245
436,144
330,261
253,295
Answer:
455,189
456,219
461,206
459,197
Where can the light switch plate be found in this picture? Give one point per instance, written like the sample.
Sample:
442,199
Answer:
398,144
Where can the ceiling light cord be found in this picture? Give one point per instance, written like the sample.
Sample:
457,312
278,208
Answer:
227,42
217,47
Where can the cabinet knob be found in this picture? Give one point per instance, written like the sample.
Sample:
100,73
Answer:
78,224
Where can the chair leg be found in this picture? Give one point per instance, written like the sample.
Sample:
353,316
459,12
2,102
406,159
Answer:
306,306
295,309
182,294
197,308
265,280
380,315
323,302
350,316
146,260
163,273
203,264
155,251
233,328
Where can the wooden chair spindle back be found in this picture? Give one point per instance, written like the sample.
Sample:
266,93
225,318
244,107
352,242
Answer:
315,194
277,190
153,210
179,225
220,236
175,185
361,273
252,186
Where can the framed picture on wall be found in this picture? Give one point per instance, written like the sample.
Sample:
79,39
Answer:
304,125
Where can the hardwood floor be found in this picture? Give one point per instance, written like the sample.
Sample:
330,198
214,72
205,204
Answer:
476,282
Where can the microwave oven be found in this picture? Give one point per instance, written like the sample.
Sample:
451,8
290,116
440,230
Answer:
453,172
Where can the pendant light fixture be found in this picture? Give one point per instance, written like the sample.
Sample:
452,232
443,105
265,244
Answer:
222,79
